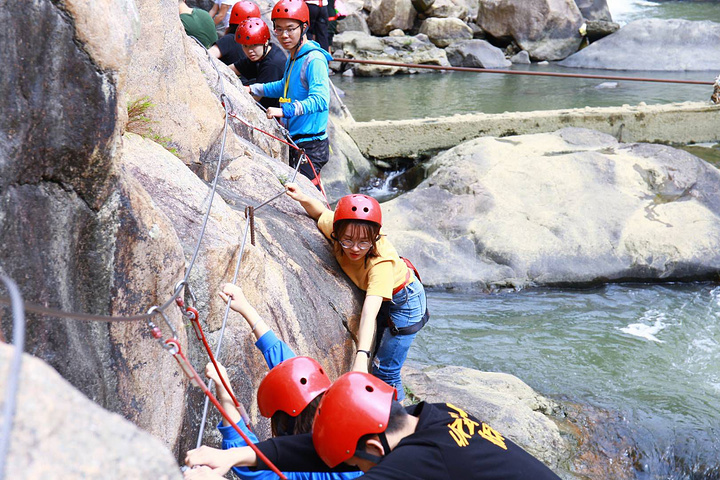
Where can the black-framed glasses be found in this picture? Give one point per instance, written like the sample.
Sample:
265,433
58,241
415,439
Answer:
350,244
280,31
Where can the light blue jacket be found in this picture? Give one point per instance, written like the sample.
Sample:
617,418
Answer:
275,351
308,89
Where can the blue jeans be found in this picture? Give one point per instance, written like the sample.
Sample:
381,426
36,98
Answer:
407,307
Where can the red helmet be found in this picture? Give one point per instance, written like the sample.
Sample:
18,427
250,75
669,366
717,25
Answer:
358,207
252,31
292,10
356,404
291,386
243,10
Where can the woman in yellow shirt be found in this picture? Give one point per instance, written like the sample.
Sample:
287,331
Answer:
371,262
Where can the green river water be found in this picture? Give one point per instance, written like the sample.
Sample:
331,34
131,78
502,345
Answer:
647,353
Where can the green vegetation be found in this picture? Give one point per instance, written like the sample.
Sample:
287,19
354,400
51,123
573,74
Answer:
283,179
140,123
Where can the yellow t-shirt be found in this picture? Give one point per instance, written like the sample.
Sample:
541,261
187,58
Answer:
379,275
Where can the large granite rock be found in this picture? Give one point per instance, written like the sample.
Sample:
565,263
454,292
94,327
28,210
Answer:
449,9
594,9
355,22
95,219
387,15
444,31
416,49
597,29
570,207
476,53
547,29
654,44
502,401
59,433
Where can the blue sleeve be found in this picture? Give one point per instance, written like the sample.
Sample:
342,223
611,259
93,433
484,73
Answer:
273,349
318,97
232,439
274,89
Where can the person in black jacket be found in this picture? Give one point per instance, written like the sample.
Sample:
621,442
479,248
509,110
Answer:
263,63
359,425
226,48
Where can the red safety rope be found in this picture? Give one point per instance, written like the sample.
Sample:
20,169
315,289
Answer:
194,317
302,152
232,115
517,72
173,347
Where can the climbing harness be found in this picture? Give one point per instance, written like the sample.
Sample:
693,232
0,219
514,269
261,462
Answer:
384,318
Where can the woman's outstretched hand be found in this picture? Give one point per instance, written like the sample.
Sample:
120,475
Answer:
294,192
230,292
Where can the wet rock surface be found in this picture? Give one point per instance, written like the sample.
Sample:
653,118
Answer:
654,44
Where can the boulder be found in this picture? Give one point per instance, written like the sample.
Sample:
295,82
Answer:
547,29
448,9
476,53
181,113
354,22
502,401
521,58
388,15
570,207
59,433
597,29
444,31
400,49
356,43
422,5
594,10
654,44
116,216
478,32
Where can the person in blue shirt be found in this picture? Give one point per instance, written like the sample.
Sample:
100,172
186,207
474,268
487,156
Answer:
288,395
304,90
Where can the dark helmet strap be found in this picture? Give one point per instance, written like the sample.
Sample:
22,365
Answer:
375,458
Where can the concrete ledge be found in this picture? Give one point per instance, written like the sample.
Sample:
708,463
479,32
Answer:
689,122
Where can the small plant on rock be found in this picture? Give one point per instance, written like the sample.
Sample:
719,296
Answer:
140,123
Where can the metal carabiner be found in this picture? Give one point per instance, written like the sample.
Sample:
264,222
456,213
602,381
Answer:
182,283
191,314
155,330
173,347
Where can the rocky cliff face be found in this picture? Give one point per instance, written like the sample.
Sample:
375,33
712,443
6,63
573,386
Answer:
95,219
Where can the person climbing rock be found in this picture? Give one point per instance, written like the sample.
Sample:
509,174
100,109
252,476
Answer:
263,62
288,395
197,23
359,425
304,90
395,307
226,48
